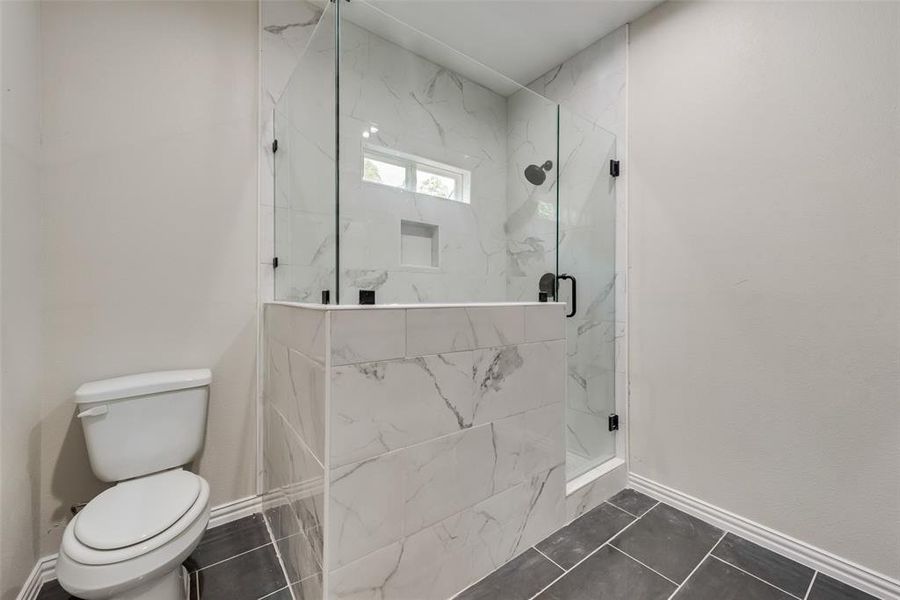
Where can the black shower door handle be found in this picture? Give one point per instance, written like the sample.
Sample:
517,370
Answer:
574,292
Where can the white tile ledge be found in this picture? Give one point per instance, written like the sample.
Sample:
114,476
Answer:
327,307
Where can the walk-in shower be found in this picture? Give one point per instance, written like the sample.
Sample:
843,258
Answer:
406,169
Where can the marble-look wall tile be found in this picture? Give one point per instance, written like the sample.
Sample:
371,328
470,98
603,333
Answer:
439,560
301,555
403,102
530,222
587,434
590,346
383,406
544,323
439,330
297,328
528,443
285,30
295,386
380,499
513,379
596,492
365,507
293,476
592,82
367,335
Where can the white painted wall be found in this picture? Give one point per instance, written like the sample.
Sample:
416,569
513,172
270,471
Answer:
765,296
20,293
149,203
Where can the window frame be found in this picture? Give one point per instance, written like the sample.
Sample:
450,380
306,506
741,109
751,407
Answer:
412,164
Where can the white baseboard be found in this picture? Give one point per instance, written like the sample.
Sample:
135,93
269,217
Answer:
234,510
45,568
869,581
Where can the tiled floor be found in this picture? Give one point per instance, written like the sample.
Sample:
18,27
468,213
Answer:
629,548
235,561
634,548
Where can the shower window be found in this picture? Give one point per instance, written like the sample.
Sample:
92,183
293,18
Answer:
415,174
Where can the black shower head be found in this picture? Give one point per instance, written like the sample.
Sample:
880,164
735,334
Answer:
537,174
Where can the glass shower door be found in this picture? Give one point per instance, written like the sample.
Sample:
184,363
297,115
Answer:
587,265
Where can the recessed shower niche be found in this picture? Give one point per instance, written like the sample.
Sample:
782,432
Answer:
419,245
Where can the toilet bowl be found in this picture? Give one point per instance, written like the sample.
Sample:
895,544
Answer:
130,541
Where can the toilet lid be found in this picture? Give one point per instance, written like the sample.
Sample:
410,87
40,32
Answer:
135,510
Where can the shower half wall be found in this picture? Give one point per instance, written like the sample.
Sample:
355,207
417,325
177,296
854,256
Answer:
411,451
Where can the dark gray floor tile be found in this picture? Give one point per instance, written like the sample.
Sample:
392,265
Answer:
584,535
519,579
53,591
826,588
248,576
308,589
668,540
230,539
781,572
715,580
609,575
194,587
632,502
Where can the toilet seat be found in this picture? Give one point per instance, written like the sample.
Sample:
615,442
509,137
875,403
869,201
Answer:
136,510
106,522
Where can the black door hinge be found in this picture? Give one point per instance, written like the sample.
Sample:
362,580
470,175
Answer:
275,263
614,168
274,146
613,422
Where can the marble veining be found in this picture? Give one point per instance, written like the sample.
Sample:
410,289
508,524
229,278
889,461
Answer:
441,465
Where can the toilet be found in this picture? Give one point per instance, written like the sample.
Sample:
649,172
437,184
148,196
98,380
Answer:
128,543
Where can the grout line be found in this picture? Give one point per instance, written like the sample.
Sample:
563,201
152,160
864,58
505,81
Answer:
632,514
721,560
284,572
691,574
270,594
548,558
590,554
644,564
811,582
235,556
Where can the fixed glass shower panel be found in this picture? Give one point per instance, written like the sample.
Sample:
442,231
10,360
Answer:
434,205
587,227
305,171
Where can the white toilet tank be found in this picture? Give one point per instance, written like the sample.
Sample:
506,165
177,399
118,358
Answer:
141,424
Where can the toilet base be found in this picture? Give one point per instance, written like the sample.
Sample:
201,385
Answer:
172,586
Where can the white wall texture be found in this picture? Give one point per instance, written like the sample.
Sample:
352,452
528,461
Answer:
20,293
149,175
765,287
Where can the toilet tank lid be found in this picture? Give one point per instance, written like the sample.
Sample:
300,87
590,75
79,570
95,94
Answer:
141,384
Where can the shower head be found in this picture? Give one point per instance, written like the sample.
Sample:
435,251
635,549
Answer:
537,174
